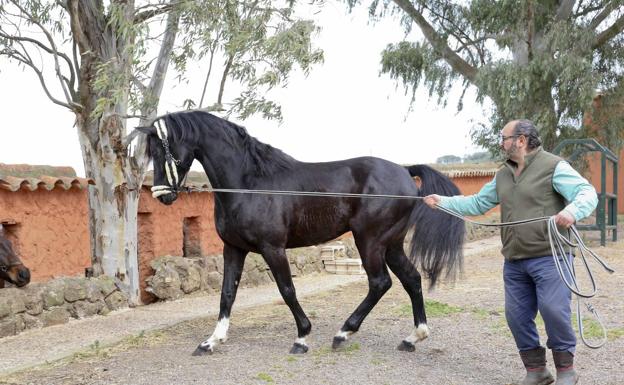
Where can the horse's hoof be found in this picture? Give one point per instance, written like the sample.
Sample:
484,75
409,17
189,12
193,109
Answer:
406,346
338,341
298,349
201,351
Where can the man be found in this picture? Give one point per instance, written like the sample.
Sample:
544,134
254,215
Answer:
533,183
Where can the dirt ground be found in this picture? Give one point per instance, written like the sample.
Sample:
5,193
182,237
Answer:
469,341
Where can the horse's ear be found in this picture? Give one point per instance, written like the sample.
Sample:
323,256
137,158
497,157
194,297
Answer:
149,130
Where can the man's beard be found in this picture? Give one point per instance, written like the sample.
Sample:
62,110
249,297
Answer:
513,149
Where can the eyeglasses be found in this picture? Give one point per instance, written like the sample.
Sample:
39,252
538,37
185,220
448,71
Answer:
503,138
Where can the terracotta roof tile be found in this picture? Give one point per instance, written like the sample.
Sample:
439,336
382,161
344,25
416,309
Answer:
197,179
14,177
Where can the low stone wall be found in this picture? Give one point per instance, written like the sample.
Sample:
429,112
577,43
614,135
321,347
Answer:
56,301
175,277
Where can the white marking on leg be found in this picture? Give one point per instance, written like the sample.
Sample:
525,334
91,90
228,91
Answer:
418,334
219,335
344,335
301,341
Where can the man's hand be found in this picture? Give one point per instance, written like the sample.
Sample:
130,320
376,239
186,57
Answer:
432,200
564,219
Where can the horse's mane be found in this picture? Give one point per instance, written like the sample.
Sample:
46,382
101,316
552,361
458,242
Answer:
191,127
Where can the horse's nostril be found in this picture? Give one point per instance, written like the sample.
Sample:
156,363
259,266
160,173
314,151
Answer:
24,274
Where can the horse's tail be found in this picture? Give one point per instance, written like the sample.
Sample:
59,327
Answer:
438,238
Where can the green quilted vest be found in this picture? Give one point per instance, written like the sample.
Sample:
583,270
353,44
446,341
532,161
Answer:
529,195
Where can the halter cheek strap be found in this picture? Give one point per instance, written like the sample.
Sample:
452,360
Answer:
171,170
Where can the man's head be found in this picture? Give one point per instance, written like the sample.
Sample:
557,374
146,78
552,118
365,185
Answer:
518,138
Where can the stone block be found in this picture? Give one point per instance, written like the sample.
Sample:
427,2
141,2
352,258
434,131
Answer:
53,294
55,316
106,285
75,290
7,327
94,293
165,283
214,280
83,309
116,300
31,322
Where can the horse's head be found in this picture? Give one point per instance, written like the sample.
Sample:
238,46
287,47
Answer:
172,160
11,268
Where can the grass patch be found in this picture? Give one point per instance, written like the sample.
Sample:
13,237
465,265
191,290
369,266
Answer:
432,308
592,329
265,377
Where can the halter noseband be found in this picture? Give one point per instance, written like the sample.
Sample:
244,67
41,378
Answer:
170,166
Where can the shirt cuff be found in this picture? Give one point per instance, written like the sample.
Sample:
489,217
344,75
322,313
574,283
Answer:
444,201
572,209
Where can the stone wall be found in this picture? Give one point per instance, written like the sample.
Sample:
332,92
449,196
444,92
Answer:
56,302
175,277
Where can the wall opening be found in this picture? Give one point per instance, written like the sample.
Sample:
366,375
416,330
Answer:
191,246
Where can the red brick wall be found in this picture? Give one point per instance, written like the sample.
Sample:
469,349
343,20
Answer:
51,234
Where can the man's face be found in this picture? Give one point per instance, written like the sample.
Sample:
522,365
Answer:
509,141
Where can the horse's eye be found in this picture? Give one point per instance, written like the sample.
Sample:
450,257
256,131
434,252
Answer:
4,268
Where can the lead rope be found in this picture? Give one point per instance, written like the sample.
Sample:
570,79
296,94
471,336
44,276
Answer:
557,247
557,243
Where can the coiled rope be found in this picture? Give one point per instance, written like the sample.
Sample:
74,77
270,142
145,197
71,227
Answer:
558,242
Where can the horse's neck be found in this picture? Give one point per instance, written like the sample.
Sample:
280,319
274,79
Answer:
223,165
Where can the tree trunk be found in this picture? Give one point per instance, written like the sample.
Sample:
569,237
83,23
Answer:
113,207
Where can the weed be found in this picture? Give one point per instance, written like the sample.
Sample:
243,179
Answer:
265,377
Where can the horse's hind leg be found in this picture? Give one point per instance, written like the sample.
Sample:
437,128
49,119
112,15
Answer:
379,283
233,261
410,278
278,263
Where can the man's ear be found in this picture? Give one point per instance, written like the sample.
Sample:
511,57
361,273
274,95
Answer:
1,229
149,130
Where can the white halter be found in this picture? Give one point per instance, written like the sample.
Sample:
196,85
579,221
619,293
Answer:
170,165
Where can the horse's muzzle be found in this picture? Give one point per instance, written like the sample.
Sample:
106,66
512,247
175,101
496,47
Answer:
168,198
19,275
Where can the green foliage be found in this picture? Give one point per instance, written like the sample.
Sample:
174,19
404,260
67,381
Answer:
260,44
522,59
448,159
478,157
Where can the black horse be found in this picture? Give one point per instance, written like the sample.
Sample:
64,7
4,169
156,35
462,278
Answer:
269,224
11,267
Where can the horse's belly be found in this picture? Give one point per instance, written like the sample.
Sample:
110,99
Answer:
311,227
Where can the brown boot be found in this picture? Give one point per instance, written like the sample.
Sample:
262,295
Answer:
564,362
535,364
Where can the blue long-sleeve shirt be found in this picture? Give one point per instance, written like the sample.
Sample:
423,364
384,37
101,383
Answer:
575,189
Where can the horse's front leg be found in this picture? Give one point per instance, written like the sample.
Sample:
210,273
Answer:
233,261
278,263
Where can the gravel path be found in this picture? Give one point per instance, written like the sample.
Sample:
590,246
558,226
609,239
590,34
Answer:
469,342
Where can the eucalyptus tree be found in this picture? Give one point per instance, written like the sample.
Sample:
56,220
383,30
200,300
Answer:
542,60
106,61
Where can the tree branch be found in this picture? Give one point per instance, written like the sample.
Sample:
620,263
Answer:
54,52
226,71
22,59
565,10
439,44
140,17
610,32
49,50
610,7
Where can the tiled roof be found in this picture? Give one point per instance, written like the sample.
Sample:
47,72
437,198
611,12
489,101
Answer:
197,179
467,170
14,177
468,173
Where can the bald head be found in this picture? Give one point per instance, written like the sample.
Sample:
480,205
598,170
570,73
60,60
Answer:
527,129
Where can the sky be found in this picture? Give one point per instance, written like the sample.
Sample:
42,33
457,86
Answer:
342,109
